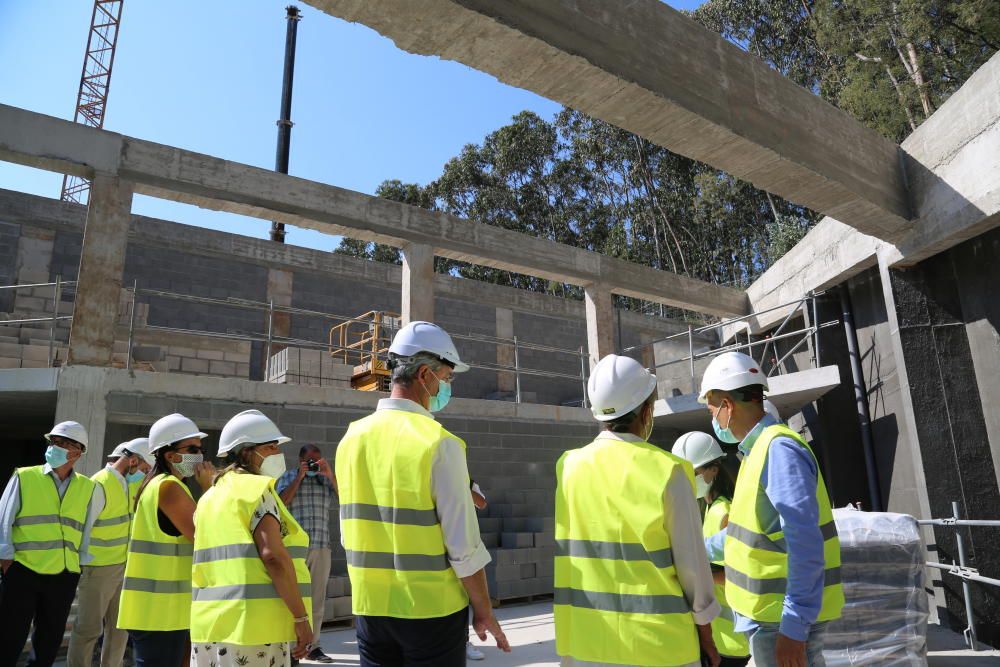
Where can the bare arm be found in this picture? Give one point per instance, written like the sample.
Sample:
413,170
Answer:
483,620
267,537
179,508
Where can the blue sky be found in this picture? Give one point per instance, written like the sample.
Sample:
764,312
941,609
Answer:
206,76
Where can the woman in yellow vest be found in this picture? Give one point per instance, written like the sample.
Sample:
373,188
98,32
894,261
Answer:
156,594
250,583
714,485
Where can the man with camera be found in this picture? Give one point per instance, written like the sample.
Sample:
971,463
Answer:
308,492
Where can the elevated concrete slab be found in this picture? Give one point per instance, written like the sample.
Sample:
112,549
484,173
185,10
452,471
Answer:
789,393
647,68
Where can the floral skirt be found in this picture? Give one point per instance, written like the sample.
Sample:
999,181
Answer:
237,655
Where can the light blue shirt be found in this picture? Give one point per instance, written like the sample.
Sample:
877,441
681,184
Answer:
10,505
789,481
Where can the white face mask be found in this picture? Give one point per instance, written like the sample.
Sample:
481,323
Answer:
273,466
701,487
185,467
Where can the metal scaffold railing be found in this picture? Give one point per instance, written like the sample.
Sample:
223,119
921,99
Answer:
961,569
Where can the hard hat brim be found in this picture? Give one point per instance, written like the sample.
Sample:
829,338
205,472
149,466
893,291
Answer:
48,438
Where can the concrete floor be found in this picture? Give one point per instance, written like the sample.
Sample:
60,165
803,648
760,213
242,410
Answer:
531,633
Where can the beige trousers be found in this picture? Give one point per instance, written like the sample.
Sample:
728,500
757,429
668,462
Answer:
318,561
97,611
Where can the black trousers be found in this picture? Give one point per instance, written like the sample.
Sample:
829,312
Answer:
27,596
409,642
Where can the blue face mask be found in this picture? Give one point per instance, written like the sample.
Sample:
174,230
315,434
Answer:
311,473
437,403
56,456
724,434
134,477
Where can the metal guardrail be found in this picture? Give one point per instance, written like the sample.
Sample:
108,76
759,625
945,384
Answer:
961,569
59,286
809,336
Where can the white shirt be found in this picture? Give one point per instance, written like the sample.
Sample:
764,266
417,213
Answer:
682,521
452,500
97,503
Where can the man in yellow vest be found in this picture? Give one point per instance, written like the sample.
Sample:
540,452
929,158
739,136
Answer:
45,519
781,551
632,582
408,524
104,563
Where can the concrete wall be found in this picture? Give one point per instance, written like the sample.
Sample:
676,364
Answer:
178,258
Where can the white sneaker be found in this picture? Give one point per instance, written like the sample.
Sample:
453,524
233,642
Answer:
473,653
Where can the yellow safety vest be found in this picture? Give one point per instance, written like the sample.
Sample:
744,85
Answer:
156,594
48,530
757,560
396,556
617,596
233,595
109,536
729,642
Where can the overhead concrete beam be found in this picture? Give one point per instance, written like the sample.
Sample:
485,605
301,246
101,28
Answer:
214,183
651,70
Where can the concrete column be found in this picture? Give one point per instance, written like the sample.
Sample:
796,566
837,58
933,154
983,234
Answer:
506,382
600,322
82,397
418,283
102,261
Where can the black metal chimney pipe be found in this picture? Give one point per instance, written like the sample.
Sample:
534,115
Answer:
293,17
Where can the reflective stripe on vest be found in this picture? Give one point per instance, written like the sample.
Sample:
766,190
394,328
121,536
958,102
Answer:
233,598
109,536
396,556
757,560
617,596
47,530
729,642
158,569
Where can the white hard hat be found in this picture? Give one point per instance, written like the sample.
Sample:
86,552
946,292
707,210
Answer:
729,371
426,337
138,446
248,428
72,430
771,409
617,386
697,448
170,429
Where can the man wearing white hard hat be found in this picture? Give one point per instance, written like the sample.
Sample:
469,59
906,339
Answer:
250,582
632,580
45,519
414,553
715,486
780,548
103,565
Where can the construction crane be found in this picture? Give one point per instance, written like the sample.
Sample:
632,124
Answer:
95,80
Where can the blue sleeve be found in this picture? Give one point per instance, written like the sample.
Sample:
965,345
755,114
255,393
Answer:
715,546
10,505
285,481
790,483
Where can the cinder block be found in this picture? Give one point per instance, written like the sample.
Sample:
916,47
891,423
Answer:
227,368
545,540
10,350
490,540
335,587
527,570
342,607
34,363
212,355
8,362
35,353
191,365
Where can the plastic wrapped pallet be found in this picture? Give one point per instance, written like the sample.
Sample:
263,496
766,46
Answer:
885,616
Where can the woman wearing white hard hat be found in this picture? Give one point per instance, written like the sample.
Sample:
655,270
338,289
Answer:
250,583
156,595
715,485
99,592
633,584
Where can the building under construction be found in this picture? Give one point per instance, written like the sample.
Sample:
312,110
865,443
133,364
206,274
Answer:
880,330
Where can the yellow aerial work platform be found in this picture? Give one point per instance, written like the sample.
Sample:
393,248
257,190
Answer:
364,343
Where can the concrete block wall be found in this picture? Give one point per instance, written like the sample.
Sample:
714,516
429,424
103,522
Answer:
9,238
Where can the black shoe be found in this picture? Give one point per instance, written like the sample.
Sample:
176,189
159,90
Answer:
317,655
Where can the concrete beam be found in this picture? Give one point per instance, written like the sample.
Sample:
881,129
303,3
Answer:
600,311
214,183
102,262
418,283
649,69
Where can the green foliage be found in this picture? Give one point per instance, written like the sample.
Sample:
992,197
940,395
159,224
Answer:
583,182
